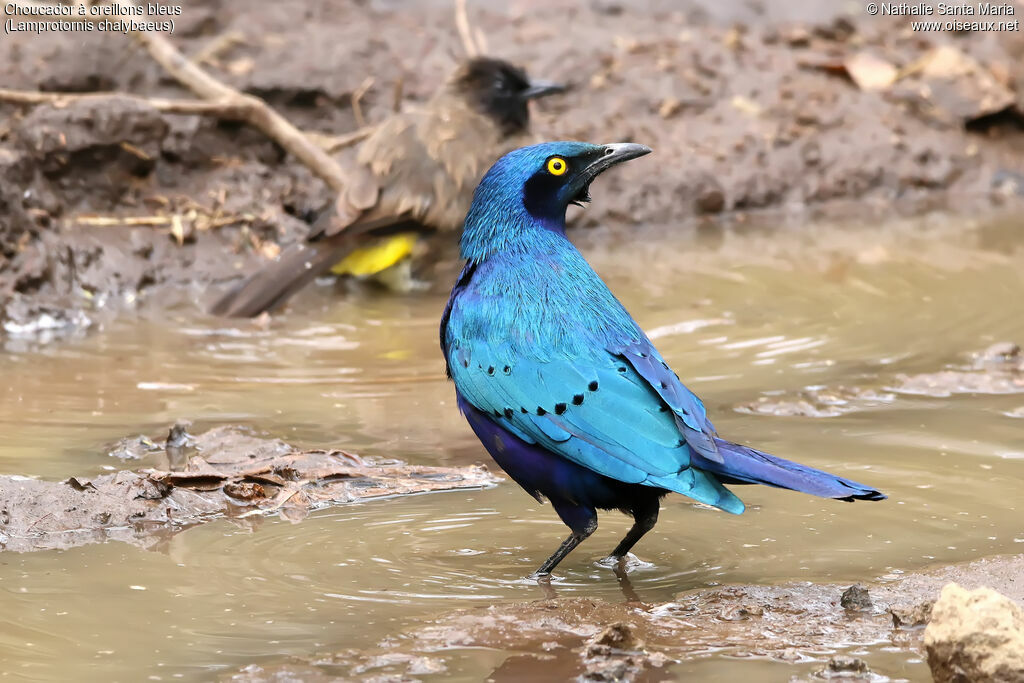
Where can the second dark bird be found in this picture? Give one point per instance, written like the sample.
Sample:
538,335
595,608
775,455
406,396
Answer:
415,173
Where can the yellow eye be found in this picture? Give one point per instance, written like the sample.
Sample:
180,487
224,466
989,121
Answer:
557,166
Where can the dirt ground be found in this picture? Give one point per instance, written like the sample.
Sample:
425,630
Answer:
595,640
746,107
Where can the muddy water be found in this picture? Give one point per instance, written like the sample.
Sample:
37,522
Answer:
740,314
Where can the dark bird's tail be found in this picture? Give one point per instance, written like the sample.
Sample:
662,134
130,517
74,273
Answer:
273,284
744,465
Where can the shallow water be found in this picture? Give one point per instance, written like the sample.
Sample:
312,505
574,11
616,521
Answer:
739,314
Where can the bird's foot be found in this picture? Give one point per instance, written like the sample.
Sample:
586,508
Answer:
626,563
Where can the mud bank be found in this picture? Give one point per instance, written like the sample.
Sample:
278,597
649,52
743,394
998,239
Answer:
223,472
106,203
593,639
999,369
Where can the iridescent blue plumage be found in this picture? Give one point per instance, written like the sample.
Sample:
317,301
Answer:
560,383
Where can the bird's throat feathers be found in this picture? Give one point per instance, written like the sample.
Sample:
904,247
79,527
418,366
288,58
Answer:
510,211
500,221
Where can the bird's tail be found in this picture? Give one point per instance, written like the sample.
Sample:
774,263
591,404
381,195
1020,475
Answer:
744,465
273,284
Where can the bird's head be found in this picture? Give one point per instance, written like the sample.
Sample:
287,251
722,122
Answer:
501,90
532,187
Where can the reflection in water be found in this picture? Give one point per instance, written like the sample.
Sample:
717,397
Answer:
759,313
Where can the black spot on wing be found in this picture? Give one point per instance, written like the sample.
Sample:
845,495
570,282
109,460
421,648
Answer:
577,399
560,408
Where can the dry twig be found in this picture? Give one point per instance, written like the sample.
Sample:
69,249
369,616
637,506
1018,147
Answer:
209,53
397,94
126,221
465,29
332,143
357,96
222,110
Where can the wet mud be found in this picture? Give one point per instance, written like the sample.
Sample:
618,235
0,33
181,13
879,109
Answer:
592,639
226,471
998,369
108,203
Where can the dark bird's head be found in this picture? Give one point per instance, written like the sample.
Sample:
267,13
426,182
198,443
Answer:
501,90
531,187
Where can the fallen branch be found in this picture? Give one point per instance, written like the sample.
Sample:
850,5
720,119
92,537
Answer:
224,110
126,221
465,29
333,143
222,43
357,96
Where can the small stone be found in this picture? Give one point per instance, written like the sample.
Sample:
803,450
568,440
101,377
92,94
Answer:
710,196
841,664
618,636
245,490
911,617
842,668
811,153
856,598
740,612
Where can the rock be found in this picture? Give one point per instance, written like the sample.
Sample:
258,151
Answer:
911,617
846,668
975,636
870,72
856,598
617,636
615,654
710,197
961,86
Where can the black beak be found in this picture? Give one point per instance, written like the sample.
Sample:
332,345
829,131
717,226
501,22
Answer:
611,155
542,89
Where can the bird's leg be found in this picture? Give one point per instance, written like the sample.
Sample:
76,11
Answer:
645,516
583,522
568,545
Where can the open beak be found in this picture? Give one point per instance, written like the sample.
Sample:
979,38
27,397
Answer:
542,89
611,155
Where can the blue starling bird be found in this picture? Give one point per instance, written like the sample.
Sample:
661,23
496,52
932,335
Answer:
560,384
